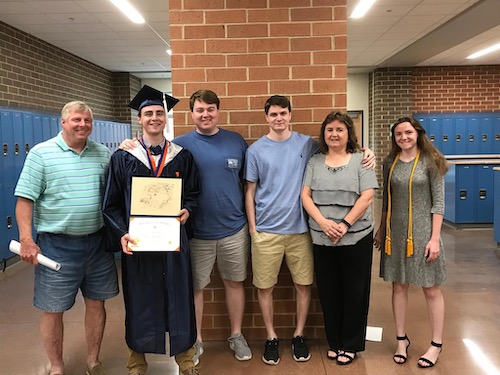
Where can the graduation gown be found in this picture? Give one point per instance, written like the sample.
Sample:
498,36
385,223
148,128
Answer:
157,286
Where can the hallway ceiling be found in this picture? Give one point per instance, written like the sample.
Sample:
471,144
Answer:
393,33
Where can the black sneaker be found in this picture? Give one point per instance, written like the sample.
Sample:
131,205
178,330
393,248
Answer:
300,350
271,352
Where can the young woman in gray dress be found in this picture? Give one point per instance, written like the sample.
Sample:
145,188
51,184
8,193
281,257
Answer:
410,231
337,195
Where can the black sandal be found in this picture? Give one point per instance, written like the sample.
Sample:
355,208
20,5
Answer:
331,357
403,357
345,355
428,361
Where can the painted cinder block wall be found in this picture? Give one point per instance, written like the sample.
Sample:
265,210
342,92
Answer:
246,51
40,77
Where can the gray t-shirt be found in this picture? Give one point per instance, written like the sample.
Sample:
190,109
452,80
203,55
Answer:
335,191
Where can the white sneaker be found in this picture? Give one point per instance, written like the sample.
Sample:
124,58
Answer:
239,345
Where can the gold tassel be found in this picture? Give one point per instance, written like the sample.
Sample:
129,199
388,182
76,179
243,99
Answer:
409,247
388,245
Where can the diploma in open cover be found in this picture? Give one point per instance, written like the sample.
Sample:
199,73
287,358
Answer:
155,204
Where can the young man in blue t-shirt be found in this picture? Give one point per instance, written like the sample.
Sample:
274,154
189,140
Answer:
220,231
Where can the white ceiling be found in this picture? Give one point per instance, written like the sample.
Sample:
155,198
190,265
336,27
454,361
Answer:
393,33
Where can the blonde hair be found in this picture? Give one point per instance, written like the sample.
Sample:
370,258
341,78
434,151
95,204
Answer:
77,106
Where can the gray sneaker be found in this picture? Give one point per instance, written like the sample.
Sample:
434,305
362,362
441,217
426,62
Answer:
241,349
198,350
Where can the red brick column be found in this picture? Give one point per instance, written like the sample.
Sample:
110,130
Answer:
246,51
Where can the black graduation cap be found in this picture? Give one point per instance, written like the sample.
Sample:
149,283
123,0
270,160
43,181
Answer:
150,96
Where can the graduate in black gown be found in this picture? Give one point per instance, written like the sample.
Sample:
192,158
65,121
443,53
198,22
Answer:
157,286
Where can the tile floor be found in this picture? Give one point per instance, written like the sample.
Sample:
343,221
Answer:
472,294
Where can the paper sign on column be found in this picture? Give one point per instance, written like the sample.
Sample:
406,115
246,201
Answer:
155,204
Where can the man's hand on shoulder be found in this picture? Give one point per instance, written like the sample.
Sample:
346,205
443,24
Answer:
369,161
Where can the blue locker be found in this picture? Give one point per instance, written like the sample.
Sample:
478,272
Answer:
424,121
19,148
474,136
37,128
484,194
447,135
487,134
461,136
55,126
465,199
9,171
28,132
46,129
435,131
496,140
496,204
4,241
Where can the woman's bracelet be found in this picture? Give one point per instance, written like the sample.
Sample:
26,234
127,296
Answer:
347,224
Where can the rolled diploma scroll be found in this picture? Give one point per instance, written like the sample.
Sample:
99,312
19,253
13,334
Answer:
15,247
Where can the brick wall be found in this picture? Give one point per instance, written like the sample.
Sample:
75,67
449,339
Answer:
246,51
456,89
37,76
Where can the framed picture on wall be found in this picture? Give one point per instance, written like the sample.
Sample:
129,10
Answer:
357,119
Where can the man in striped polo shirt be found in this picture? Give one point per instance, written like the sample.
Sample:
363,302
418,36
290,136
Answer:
60,191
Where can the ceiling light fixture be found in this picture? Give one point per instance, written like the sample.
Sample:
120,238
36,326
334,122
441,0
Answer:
169,52
127,9
485,51
362,7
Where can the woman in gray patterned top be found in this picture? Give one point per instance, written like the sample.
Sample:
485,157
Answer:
410,228
337,194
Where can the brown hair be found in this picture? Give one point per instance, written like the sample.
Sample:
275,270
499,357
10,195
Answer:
207,96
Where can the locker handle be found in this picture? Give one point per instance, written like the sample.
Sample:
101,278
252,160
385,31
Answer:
482,194
484,137
458,137
445,138
16,149
5,149
497,137
471,137
9,222
463,194
27,148
432,137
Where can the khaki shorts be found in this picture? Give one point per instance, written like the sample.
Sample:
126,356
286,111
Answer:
268,250
231,253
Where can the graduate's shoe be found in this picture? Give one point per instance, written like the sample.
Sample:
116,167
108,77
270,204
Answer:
96,370
239,345
192,371
427,363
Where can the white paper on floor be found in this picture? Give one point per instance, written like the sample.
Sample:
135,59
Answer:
374,333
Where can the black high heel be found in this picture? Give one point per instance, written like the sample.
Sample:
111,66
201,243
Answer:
401,356
428,361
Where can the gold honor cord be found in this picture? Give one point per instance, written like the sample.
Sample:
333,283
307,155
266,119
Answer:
409,240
